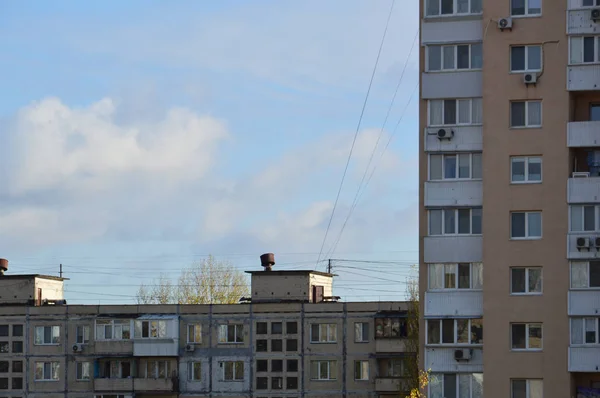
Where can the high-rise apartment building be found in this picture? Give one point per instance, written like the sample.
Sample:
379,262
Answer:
510,197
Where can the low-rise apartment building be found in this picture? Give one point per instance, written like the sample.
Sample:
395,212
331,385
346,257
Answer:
292,338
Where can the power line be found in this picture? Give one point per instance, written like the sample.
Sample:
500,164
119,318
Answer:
362,112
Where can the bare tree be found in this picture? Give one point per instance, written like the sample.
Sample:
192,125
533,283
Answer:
208,281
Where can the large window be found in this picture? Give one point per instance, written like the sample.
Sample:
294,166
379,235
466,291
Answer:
585,218
522,388
526,225
455,112
584,49
394,367
231,333
455,166
46,371
323,333
520,8
525,114
323,370
585,275
527,169
584,331
47,335
455,221
158,369
590,3
526,336
455,276
113,329
151,329
452,7
526,280
454,331
453,385
526,58
454,57
391,328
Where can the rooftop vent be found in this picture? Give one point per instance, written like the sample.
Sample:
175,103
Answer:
267,260
3,266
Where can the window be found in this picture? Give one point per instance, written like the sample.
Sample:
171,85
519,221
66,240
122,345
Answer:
291,383
3,383
276,345
46,371
323,333
154,369
454,331
17,383
521,388
113,329
584,49
17,366
361,332
396,367
277,365
233,370
526,280
47,335
194,334
4,347
525,114
291,327
435,8
452,385
584,331
455,221
17,330
195,371
231,333
17,347
361,370
584,218
4,366
151,329
526,58
262,328
590,3
83,334
262,345
526,336
276,383
525,8
3,330
455,166
454,57
83,370
585,274
455,112
455,276
292,365
262,383
525,169
291,345
262,365
390,328
526,225
323,370
276,328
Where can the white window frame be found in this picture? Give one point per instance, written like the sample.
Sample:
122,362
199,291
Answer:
329,363
527,14
473,102
454,8
456,221
528,325
330,333
157,329
527,160
455,332
191,370
80,371
581,211
359,332
527,125
581,55
527,68
587,265
527,237
362,363
238,331
116,326
234,372
528,386
194,333
457,155
446,266
455,67
54,335
581,5
527,292
152,369
584,321
84,332
52,367
437,382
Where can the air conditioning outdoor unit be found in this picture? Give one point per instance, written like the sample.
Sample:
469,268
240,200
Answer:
505,23
581,174
530,78
77,347
190,348
583,243
444,134
463,354
595,14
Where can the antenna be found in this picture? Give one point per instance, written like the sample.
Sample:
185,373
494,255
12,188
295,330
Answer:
329,266
60,270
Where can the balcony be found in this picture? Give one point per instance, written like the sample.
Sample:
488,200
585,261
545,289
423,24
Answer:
383,345
584,359
579,22
454,303
441,359
583,77
453,249
584,302
113,347
454,193
451,85
583,190
452,31
156,348
391,384
115,385
589,253
583,134
159,385
466,138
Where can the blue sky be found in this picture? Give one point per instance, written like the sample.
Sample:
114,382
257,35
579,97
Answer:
140,136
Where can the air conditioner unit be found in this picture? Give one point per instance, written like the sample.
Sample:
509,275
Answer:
583,243
581,174
463,354
444,134
190,348
505,23
595,14
77,347
530,78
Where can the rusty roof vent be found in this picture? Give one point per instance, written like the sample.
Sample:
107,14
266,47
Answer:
267,260
3,266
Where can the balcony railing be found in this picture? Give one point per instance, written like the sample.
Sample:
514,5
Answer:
455,249
113,347
583,134
584,359
454,193
454,303
161,385
583,190
391,384
441,359
383,345
583,77
115,385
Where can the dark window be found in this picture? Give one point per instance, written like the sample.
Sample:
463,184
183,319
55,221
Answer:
291,345
262,365
276,383
3,383
292,365
262,383
447,7
518,280
261,346
594,273
462,57
517,114
291,383
449,386
4,366
17,347
517,58
518,7
276,328
595,113
17,330
588,49
519,388
17,366
447,331
518,336
262,328
450,112
17,383
276,345
517,225
3,347
390,328
3,330
277,365
291,327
